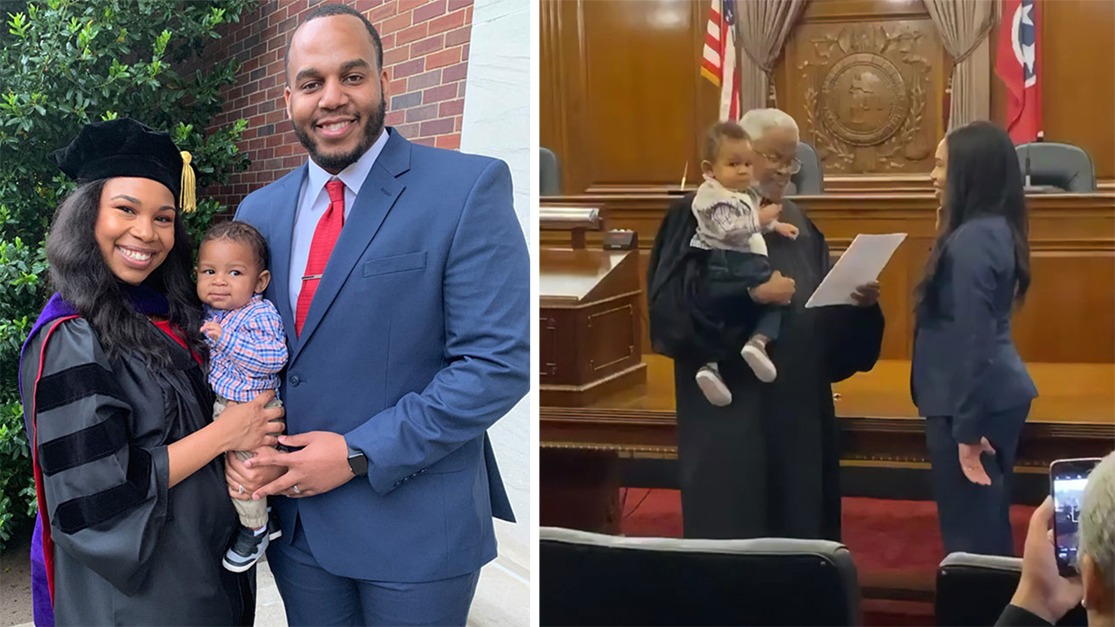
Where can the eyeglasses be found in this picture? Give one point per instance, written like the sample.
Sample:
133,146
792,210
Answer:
793,164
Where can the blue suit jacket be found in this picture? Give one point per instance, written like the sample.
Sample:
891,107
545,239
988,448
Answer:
965,364
416,342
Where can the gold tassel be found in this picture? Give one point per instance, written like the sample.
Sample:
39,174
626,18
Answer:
187,199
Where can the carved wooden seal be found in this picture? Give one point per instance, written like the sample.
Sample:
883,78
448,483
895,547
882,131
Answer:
864,100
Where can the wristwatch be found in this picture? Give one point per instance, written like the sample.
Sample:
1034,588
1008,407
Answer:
357,462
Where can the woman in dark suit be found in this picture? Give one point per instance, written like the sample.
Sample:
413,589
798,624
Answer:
967,378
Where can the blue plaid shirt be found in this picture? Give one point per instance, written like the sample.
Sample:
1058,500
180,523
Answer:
251,352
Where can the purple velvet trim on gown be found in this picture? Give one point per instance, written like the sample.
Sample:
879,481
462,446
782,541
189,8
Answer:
40,593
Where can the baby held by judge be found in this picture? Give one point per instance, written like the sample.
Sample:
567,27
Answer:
730,218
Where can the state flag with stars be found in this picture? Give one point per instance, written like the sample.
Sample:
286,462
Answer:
1017,65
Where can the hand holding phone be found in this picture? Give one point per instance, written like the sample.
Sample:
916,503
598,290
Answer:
1067,478
1042,591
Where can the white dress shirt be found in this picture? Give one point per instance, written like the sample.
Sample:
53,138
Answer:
313,201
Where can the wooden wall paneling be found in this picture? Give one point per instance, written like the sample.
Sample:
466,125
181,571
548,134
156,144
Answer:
550,100
865,80
562,90
623,103
861,10
1069,315
549,106
644,88
1078,78
1078,81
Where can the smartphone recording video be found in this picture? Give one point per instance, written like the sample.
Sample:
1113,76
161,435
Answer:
1068,478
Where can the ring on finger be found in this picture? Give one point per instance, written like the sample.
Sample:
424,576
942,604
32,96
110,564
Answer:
296,490
239,488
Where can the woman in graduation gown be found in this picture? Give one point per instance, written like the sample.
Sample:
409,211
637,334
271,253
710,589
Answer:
134,509
768,463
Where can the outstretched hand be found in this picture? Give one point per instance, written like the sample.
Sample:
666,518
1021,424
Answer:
970,462
785,229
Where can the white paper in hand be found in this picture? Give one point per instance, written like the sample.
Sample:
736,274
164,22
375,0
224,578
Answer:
860,264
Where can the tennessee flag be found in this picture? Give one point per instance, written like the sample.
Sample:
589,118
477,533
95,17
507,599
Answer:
718,64
1017,66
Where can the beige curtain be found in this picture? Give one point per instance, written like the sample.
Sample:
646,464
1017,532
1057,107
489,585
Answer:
764,26
964,26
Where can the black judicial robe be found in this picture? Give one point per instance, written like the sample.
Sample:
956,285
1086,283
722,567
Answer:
768,463
128,550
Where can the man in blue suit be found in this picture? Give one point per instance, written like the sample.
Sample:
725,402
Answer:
402,277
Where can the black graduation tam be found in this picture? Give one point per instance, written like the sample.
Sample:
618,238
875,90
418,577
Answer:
124,147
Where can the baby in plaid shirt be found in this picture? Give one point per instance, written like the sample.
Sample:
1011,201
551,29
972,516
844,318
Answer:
247,351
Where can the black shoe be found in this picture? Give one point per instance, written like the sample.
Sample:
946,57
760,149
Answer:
274,531
246,549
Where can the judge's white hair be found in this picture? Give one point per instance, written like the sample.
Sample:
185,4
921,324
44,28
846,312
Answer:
757,122
1097,519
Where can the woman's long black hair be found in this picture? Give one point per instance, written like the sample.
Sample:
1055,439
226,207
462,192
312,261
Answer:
982,179
80,275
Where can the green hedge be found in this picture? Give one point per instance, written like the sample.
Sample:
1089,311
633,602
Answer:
66,63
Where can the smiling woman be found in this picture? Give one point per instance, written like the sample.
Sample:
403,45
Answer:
135,226
116,406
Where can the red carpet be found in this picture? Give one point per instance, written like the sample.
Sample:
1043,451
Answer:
892,543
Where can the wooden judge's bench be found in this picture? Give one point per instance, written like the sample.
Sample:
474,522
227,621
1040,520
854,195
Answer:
594,430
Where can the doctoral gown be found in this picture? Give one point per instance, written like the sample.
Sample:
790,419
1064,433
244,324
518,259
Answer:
128,550
768,463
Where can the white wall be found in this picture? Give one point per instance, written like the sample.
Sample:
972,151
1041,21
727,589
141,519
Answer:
498,117
498,121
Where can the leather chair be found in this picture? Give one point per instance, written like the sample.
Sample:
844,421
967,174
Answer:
973,590
811,179
593,579
1063,166
549,173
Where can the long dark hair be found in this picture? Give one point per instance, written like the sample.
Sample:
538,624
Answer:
79,274
982,179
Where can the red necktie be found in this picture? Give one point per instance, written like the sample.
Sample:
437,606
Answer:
325,237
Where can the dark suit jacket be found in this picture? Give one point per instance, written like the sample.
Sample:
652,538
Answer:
418,339
965,364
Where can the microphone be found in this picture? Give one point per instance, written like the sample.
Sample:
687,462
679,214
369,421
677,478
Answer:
1027,167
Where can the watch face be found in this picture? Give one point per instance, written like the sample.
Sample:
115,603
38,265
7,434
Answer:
358,463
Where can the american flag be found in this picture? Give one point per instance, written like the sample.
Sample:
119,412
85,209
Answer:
719,61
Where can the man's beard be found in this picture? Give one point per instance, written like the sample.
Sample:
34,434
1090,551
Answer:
770,189
337,162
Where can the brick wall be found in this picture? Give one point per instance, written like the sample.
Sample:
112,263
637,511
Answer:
425,50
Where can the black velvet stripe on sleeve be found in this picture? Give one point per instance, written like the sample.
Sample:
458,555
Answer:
72,384
84,446
85,511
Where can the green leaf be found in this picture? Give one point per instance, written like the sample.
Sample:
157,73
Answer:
70,62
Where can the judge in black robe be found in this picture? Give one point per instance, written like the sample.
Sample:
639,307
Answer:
768,463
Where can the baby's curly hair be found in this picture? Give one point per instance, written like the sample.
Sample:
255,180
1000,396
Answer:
716,135
243,233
